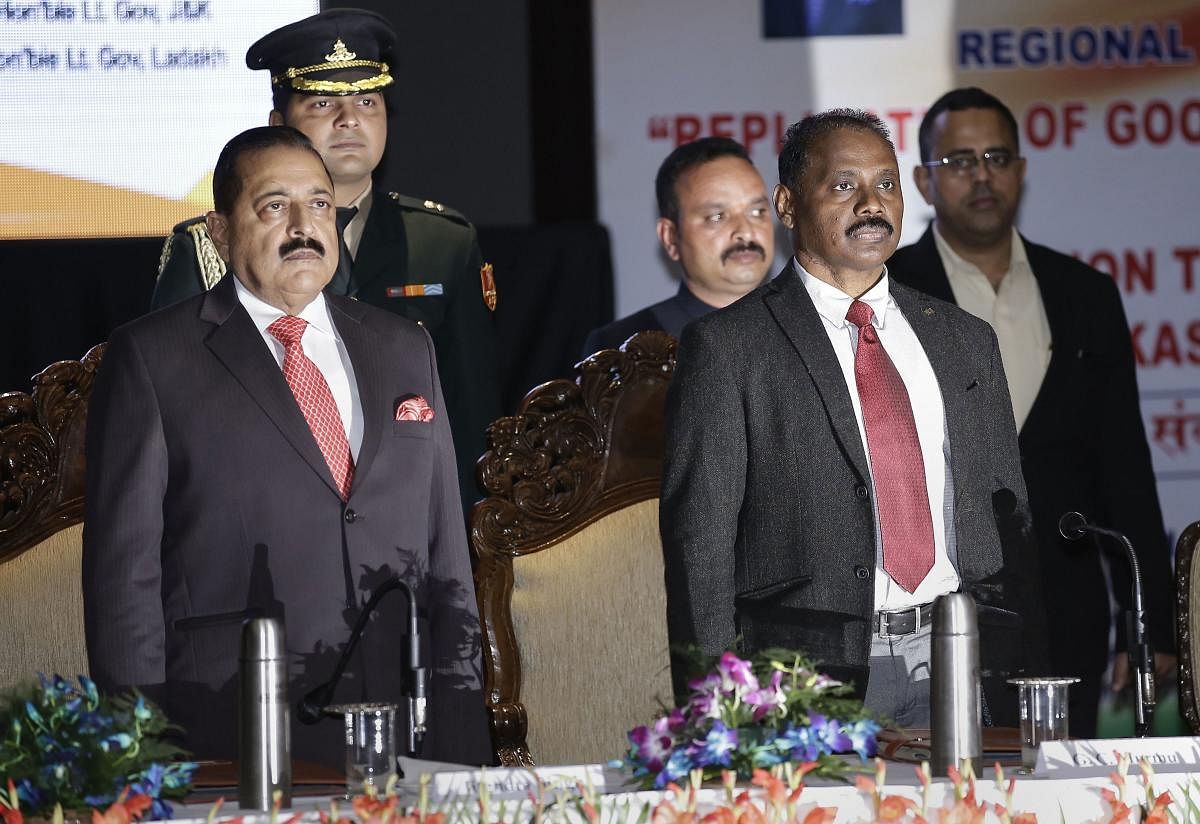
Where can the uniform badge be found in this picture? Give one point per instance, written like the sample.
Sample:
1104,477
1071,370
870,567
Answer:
489,286
416,290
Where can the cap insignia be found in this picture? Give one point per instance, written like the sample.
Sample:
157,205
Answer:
340,53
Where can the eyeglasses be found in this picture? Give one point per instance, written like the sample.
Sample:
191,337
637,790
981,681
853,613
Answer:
965,163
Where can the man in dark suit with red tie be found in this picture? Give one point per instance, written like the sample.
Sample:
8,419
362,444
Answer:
840,451
268,449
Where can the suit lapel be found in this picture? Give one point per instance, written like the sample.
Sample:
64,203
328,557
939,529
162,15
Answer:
237,343
384,244
793,310
923,269
1061,317
369,373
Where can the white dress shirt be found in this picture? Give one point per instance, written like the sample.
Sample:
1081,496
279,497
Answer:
905,350
324,347
1016,313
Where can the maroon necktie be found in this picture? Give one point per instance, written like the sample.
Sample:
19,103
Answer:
897,468
315,400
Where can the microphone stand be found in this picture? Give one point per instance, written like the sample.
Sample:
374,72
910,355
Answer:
1073,526
312,706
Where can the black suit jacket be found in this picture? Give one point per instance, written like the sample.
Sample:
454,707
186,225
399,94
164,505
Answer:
406,242
1083,447
208,500
766,513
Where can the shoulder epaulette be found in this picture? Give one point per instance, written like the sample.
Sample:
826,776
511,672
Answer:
211,267
428,207
184,225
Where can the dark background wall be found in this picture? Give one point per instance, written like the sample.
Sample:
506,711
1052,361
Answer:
494,118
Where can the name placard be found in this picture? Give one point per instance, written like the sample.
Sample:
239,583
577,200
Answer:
503,783
1098,757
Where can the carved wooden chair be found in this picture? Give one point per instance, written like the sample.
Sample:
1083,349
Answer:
1187,621
41,530
569,572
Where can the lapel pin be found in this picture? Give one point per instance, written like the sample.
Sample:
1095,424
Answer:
928,311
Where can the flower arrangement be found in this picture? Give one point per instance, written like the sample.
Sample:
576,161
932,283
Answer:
747,715
64,745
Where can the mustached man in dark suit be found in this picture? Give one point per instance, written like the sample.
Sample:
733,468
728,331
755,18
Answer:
266,448
714,218
1069,361
332,77
841,451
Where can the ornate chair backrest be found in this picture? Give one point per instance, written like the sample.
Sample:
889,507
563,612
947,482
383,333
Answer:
41,514
1187,626
569,571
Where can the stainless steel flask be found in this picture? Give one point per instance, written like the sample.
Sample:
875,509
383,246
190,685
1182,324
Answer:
954,700
264,732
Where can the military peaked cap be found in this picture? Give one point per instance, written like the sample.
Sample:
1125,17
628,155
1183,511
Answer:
336,52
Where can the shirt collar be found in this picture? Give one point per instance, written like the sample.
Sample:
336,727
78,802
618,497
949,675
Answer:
692,305
956,263
264,314
832,303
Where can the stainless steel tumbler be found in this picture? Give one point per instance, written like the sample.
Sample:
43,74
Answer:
264,733
955,708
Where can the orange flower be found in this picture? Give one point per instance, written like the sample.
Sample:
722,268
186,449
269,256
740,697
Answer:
123,810
1120,810
665,813
721,815
1025,818
751,814
372,810
776,789
820,815
895,807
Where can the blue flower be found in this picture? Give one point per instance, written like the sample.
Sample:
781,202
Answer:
676,768
118,740
863,738
802,744
715,748
29,794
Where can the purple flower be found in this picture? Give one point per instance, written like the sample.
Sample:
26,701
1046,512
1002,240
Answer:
715,747
768,698
650,747
706,697
737,675
829,733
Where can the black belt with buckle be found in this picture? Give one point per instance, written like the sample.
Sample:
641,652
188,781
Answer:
903,621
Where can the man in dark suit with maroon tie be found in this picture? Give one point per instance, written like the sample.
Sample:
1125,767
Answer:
268,449
840,452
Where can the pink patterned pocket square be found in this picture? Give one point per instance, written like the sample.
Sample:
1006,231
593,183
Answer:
414,408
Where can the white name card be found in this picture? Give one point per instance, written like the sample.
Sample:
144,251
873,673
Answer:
514,783
1085,758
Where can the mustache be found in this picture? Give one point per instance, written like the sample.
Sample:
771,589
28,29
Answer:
298,243
749,246
873,222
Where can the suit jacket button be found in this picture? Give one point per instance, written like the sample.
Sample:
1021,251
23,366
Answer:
351,516
860,491
861,572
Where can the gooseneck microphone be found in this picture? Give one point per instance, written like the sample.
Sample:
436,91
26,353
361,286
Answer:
313,704
1073,526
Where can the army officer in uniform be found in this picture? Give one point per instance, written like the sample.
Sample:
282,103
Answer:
414,257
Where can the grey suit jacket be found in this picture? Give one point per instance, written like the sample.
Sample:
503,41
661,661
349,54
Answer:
208,500
766,511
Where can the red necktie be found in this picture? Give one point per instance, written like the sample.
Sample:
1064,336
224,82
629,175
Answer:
897,468
315,400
